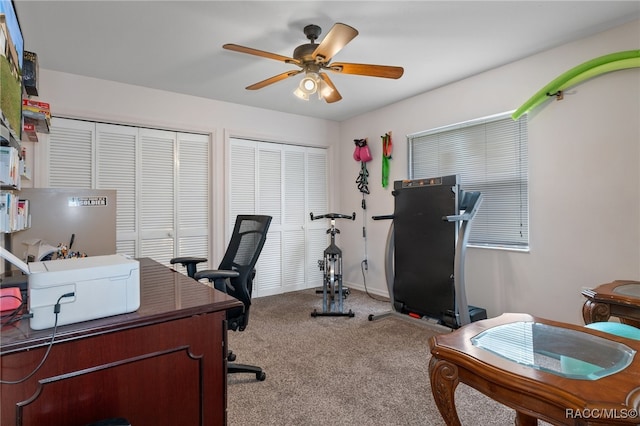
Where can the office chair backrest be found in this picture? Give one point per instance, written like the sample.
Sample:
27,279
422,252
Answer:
247,240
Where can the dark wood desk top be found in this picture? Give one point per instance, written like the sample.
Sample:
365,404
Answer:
620,390
164,295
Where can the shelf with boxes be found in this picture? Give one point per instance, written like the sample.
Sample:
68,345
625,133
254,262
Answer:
37,119
13,167
14,212
22,120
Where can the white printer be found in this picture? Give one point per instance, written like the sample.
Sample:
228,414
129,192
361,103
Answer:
86,288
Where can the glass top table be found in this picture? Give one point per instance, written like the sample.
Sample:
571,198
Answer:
632,289
561,351
541,368
620,298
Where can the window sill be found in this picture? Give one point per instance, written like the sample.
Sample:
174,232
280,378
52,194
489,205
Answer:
517,249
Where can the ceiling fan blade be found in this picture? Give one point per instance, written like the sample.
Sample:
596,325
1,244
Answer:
334,96
384,71
337,38
261,53
274,79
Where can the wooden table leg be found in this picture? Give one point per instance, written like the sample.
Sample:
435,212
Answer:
444,380
595,312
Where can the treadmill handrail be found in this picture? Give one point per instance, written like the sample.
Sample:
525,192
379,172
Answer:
469,202
382,217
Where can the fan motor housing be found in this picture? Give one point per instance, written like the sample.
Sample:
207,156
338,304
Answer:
304,52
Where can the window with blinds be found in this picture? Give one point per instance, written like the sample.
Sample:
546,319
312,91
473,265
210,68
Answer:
490,155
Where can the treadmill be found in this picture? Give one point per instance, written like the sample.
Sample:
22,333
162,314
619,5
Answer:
426,249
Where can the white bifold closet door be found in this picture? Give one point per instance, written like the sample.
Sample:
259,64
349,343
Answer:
286,182
157,193
161,177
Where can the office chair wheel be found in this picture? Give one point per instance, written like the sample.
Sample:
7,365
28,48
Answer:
231,357
370,317
261,376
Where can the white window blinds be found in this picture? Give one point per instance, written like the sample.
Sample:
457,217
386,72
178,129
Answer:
491,156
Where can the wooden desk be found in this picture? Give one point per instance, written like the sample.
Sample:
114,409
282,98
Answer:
533,393
161,365
618,298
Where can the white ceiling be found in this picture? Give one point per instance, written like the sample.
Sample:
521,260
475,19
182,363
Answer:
177,45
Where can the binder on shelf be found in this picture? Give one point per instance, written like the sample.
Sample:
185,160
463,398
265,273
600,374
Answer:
9,167
14,213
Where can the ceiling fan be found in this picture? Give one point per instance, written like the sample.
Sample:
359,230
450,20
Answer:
313,58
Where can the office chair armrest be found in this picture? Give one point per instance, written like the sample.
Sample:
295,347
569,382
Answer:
188,262
214,274
219,277
187,259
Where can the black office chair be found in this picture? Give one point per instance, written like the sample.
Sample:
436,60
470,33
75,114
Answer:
188,262
235,276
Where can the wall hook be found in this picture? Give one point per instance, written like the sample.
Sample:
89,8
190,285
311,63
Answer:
559,95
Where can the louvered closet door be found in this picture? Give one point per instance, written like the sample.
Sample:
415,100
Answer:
241,193
295,213
161,177
317,192
192,196
156,202
273,179
269,201
116,148
70,156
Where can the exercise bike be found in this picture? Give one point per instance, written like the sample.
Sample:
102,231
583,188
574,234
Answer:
333,293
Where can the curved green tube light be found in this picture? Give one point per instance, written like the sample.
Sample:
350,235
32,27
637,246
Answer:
603,64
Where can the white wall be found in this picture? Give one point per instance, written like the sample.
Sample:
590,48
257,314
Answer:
80,97
584,157
583,175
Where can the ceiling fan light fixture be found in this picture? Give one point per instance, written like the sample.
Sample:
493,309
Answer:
301,94
325,90
309,84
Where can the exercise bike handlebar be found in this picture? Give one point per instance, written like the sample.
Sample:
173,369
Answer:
333,216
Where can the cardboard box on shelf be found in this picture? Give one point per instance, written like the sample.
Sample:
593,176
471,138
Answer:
29,132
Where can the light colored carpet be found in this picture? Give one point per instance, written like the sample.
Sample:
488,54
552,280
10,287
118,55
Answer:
340,370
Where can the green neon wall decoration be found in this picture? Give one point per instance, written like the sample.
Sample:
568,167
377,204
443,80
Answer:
603,64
